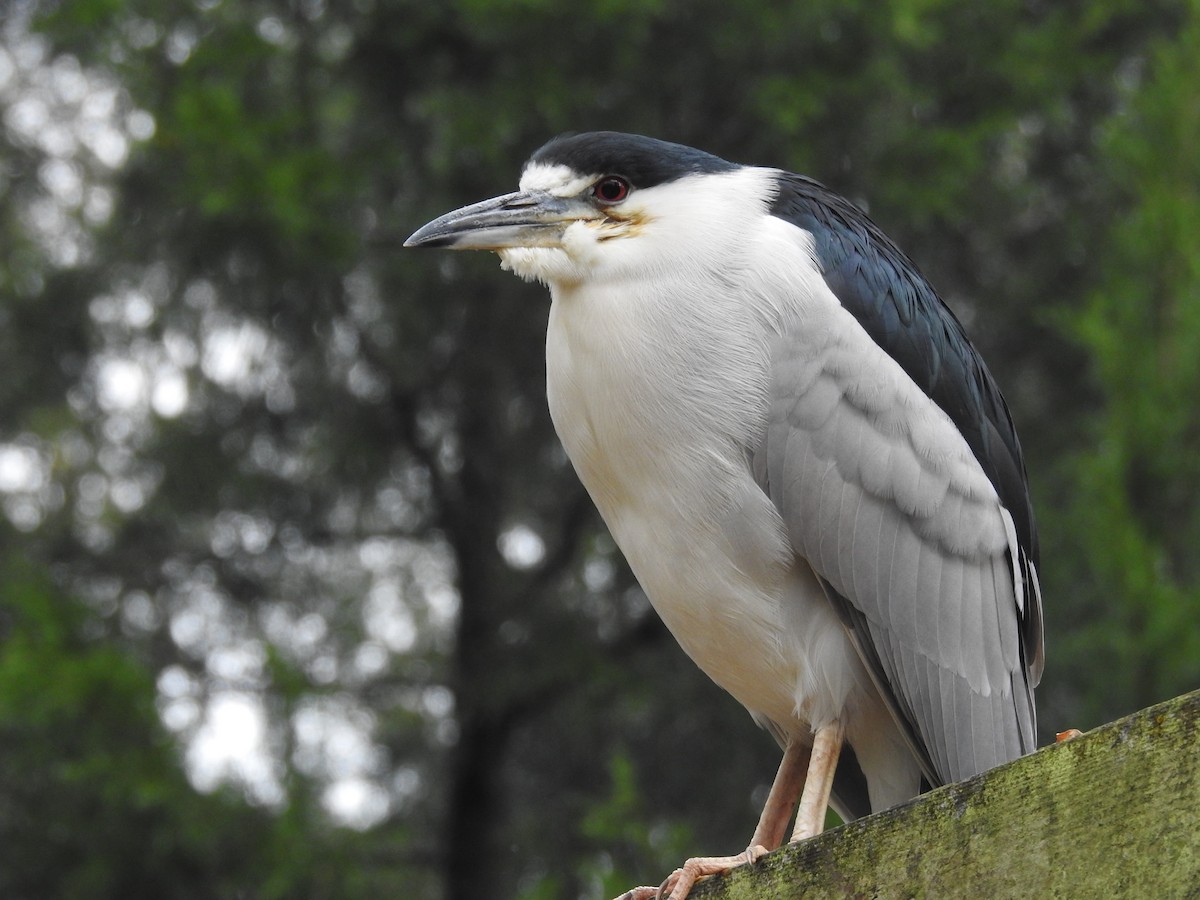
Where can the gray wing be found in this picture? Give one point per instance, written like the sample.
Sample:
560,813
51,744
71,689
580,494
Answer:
892,301
882,496
893,460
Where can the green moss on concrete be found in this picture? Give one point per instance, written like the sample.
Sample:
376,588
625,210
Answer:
1115,812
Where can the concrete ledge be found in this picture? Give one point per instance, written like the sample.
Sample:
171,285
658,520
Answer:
1114,813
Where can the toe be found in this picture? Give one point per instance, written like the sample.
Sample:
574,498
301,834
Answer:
678,884
644,892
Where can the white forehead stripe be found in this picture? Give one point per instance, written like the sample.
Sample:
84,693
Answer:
557,179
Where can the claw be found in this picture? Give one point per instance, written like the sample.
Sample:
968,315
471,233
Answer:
819,760
639,893
674,882
679,883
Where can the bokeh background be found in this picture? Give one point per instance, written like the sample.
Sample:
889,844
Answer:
299,596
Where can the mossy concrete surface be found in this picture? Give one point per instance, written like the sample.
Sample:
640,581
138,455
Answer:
1113,813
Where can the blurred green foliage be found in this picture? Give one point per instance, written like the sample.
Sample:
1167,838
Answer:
95,801
1138,476
245,438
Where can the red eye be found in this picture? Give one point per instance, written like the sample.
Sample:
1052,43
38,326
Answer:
611,189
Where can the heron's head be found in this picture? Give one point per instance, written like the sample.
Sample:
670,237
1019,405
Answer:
605,204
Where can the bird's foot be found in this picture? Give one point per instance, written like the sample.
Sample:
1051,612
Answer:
680,882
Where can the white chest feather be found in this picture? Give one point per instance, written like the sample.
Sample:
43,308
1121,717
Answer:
645,401
658,420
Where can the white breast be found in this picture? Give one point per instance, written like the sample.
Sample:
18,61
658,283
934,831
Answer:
657,417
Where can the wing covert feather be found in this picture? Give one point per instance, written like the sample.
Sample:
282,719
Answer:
921,555
899,310
893,461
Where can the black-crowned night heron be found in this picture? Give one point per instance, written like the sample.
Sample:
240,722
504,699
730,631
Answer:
809,468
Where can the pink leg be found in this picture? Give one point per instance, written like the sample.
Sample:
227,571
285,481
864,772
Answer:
772,826
781,802
827,745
